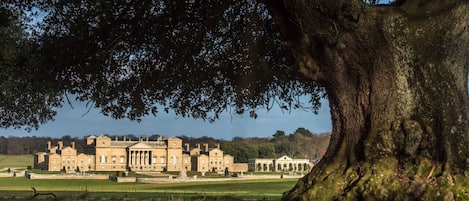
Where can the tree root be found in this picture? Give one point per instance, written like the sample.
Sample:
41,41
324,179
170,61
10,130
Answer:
382,180
37,194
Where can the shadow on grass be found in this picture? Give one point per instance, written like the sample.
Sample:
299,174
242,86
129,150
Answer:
119,196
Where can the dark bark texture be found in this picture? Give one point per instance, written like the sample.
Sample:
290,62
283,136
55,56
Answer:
396,80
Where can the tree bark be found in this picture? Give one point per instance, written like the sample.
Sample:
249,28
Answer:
396,80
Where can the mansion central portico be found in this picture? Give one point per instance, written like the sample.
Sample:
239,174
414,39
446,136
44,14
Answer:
138,158
142,155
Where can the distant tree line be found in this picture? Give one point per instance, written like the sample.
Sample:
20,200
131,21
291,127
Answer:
300,144
13,145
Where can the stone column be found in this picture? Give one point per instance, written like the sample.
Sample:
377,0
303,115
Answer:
129,153
148,158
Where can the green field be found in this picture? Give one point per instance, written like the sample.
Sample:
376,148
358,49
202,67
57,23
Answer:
269,189
24,161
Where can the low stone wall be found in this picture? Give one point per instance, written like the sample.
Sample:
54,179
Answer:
240,167
68,176
6,174
188,179
12,174
123,179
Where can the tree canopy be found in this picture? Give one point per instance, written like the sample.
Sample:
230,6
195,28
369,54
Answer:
130,58
28,91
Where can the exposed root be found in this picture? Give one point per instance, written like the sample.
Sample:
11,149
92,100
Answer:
38,194
430,174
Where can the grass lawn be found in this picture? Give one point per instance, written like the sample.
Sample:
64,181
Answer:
270,189
7,161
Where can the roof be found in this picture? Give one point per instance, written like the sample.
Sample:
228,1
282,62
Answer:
104,136
174,138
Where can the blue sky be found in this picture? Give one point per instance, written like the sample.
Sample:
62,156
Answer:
72,122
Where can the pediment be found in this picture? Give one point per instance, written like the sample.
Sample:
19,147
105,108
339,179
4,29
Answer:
284,158
140,145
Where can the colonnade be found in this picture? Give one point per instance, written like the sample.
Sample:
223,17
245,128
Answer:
263,165
140,157
294,166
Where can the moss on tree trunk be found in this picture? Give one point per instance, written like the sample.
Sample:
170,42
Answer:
396,79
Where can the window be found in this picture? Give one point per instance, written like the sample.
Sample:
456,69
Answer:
122,159
162,159
113,159
103,159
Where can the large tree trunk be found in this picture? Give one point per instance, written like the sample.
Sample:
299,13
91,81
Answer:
396,80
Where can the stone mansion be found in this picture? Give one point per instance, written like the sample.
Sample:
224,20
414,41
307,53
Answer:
101,153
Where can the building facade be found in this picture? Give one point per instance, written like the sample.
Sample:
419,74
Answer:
63,158
205,159
283,163
101,153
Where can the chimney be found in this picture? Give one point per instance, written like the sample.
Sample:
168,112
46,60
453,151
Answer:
187,146
206,147
124,138
198,147
73,145
217,145
48,145
147,139
61,144
115,138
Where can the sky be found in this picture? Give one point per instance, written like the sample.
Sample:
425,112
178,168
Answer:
77,122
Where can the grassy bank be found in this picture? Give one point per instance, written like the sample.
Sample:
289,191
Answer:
24,161
270,189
